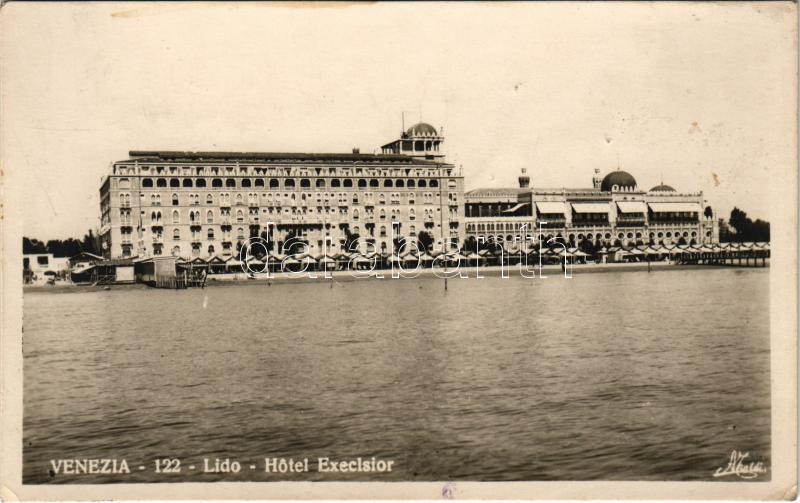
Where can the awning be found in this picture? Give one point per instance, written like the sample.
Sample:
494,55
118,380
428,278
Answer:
590,207
551,207
675,207
515,208
632,207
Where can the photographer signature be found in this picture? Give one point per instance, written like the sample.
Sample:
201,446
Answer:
739,466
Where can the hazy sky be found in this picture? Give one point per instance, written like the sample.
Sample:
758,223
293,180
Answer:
701,94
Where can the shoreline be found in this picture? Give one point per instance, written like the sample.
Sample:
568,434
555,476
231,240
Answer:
551,271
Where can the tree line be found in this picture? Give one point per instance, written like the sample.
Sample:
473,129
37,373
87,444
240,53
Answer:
740,228
63,247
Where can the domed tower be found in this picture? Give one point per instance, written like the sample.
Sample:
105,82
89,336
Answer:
524,179
421,141
662,188
618,181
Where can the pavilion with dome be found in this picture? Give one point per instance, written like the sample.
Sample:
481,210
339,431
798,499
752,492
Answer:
614,211
421,141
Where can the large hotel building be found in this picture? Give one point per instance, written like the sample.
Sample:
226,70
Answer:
202,204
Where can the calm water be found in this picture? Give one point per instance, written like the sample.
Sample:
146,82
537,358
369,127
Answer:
604,376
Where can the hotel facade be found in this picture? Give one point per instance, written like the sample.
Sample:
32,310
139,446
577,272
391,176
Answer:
205,204
202,204
614,211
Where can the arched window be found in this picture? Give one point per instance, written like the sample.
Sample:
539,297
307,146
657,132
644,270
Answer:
421,184
259,182
209,199
305,183
382,214
230,182
147,182
412,230
176,234
187,182
239,216
289,183
347,182
273,183
176,217
355,214
201,183
239,199
124,183
381,198
362,183
320,183
336,183
210,250
176,250
383,231
374,183
216,182
246,182
411,214
433,184
410,184
174,199
387,183
209,217
210,233
174,182
161,182
400,184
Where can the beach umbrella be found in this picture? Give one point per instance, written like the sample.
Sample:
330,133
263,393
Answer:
409,257
426,257
456,257
232,262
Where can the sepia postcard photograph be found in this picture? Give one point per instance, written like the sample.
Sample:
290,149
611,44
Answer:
534,250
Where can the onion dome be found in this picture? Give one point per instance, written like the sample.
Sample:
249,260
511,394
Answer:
662,188
422,129
618,180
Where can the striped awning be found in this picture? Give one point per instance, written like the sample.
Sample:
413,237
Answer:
515,208
632,206
551,207
590,207
675,207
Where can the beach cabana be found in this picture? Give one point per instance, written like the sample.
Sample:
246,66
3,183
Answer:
216,265
233,264
362,262
290,264
326,261
410,258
